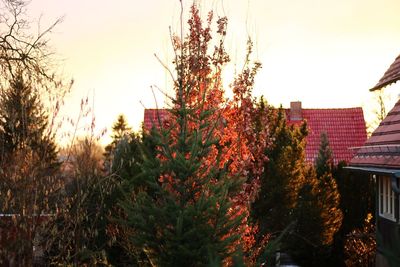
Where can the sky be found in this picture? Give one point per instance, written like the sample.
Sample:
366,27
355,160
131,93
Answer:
324,53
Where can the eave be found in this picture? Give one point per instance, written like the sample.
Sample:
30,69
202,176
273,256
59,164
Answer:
392,75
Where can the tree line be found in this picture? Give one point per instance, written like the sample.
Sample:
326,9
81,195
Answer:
220,182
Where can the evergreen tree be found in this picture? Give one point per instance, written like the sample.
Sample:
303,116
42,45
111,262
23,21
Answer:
127,156
183,219
324,161
28,168
127,163
304,243
120,128
120,131
292,191
24,123
283,174
317,213
178,210
28,157
328,194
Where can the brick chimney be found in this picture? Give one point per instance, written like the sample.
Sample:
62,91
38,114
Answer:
295,111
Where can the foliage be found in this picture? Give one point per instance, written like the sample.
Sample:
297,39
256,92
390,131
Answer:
283,175
317,212
244,140
357,201
120,131
382,101
77,234
328,195
360,244
324,161
127,156
283,178
292,191
127,163
206,161
28,157
28,163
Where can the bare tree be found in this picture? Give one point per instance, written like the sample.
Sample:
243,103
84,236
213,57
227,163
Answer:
19,47
78,235
30,98
381,101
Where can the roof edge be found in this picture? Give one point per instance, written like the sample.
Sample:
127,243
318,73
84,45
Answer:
381,86
375,170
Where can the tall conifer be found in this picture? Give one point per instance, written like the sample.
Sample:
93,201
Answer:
178,209
23,122
28,164
328,194
283,175
120,131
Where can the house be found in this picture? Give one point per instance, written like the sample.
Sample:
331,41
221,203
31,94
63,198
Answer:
345,128
154,116
379,158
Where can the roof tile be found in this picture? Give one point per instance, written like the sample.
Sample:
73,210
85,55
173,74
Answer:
345,128
382,149
391,75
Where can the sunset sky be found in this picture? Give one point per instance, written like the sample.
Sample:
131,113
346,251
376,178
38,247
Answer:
325,53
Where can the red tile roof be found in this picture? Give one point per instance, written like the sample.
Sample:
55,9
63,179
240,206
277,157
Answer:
152,117
391,75
382,149
345,128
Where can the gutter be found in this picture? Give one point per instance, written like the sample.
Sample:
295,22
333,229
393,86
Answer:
393,173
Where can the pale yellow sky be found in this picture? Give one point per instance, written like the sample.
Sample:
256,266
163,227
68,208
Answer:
325,53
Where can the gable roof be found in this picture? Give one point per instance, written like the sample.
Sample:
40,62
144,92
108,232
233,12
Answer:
382,149
345,128
391,75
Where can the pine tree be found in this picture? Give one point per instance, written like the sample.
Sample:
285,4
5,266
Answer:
120,128
317,213
283,174
328,196
127,156
304,244
324,161
183,219
293,192
24,123
120,131
28,165
127,163
178,209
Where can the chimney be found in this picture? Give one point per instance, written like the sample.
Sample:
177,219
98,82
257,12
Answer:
295,111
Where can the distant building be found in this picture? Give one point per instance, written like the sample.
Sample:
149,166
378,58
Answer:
154,117
380,158
345,128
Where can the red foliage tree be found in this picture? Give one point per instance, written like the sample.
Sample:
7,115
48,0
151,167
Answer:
241,129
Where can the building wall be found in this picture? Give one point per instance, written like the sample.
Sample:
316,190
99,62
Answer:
381,261
388,233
